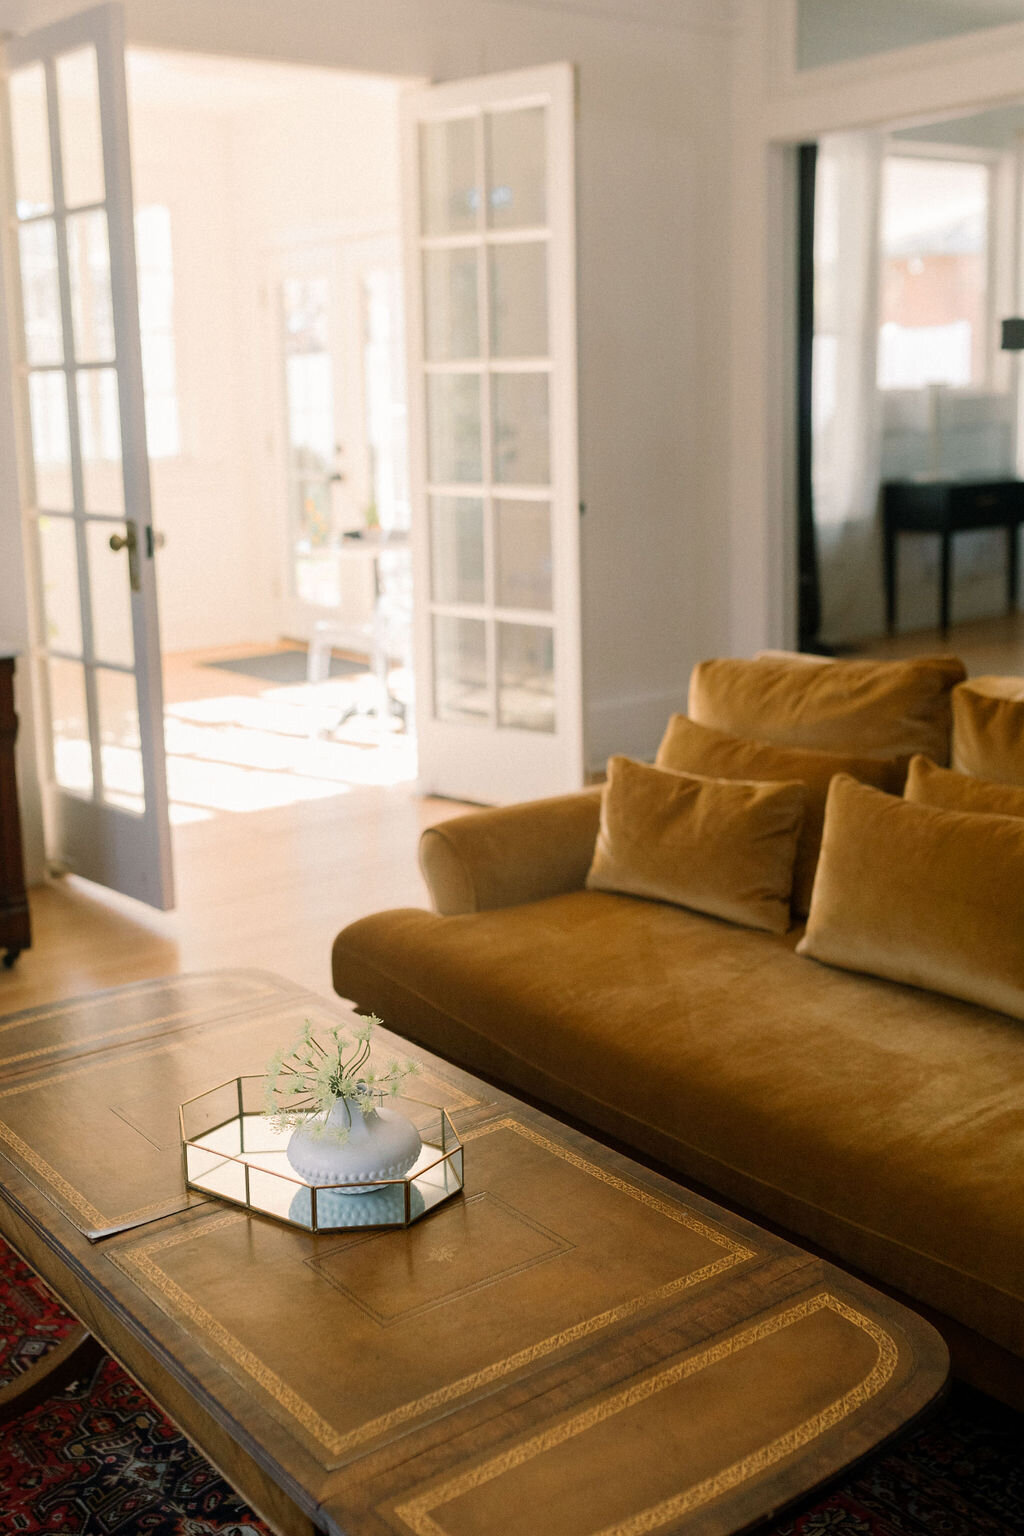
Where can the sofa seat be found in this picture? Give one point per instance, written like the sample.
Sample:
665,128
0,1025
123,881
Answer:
880,1121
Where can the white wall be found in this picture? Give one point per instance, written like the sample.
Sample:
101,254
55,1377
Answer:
653,198
214,581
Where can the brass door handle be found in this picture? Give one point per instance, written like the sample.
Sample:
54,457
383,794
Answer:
129,541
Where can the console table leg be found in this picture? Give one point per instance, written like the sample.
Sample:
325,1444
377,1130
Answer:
1012,557
890,575
944,583
76,1356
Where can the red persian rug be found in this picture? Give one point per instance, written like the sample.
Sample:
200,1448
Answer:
100,1459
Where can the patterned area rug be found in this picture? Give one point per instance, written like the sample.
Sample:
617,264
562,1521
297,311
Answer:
101,1460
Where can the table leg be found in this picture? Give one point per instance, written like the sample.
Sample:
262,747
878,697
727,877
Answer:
74,1357
945,582
1012,558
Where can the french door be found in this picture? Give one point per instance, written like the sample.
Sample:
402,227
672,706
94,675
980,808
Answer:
83,475
490,254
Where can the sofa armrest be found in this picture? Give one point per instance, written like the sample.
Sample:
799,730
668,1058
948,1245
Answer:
512,854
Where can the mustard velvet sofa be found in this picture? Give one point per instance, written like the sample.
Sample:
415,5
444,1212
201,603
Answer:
880,1122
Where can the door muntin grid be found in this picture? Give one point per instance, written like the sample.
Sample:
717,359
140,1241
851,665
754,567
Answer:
77,500
485,258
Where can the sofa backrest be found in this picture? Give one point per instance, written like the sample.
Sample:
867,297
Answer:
988,728
875,708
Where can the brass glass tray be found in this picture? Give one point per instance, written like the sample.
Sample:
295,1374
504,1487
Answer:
232,1150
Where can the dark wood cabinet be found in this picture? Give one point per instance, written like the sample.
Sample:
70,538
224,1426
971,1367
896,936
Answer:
947,507
15,931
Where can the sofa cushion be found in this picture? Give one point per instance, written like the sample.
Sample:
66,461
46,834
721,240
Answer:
951,791
920,895
873,708
721,846
691,748
988,728
882,1122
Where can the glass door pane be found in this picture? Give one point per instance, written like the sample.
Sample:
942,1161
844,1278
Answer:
81,130
517,168
488,420
30,130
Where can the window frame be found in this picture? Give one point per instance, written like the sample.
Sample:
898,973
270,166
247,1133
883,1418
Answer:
996,378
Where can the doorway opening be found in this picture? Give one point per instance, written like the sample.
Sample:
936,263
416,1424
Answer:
911,448
267,208
262,320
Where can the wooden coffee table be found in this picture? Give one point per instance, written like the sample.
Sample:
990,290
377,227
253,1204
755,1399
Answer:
575,1345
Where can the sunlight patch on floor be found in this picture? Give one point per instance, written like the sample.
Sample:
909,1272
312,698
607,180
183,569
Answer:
243,752
251,749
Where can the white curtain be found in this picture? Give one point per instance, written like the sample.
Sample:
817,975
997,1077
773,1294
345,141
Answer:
847,405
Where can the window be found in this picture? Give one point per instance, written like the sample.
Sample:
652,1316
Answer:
934,300
156,325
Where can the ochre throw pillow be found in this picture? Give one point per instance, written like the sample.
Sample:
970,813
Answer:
920,895
873,708
716,845
988,728
928,785
691,748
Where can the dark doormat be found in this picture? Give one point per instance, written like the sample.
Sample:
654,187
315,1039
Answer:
284,667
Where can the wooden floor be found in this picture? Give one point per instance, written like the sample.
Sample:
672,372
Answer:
984,646
271,887
263,887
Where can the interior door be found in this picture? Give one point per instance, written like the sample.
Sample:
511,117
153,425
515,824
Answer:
83,471
490,252
345,437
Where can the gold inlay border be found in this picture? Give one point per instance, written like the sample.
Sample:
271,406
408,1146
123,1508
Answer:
418,1513
62,1190
138,1264
59,1185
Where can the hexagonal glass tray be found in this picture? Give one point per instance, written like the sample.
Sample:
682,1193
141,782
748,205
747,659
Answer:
230,1149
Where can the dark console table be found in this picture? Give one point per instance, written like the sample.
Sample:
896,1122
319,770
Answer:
15,933
947,507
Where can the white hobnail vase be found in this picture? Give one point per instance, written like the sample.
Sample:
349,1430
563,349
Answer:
347,1145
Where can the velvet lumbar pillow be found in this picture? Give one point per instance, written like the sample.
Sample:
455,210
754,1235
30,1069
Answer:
719,846
873,708
920,895
691,748
928,785
988,728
